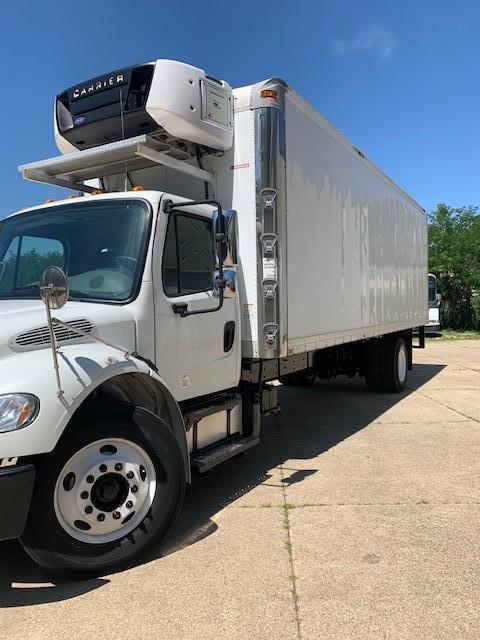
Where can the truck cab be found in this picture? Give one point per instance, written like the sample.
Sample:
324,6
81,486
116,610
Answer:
152,321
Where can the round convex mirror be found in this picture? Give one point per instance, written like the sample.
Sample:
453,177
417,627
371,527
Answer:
54,287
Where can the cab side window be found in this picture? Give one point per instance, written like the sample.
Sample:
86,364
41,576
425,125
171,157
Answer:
188,255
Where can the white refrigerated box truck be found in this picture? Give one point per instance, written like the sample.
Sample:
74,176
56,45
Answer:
215,241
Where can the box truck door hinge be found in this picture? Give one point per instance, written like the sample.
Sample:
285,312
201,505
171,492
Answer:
269,288
268,197
269,243
270,329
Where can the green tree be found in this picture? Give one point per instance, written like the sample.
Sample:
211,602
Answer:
454,257
29,269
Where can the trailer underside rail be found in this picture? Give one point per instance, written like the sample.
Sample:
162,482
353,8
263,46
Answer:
142,152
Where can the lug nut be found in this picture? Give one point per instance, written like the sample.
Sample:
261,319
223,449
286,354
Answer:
130,475
129,504
89,509
118,466
90,479
134,488
116,515
84,495
101,517
103,468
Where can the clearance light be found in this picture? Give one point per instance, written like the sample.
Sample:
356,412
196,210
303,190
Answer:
49,201
72,196
97,192
268,93
138,188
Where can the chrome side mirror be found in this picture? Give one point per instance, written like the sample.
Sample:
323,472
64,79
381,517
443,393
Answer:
227,224
231,231
230,283
230,288
54,292
54,288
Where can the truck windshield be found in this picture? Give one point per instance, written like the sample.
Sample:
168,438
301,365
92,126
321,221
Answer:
100,246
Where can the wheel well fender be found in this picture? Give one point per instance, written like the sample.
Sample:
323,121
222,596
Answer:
138,391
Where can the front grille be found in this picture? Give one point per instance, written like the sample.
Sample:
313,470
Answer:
40,336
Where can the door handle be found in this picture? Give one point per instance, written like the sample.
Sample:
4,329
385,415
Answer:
228,335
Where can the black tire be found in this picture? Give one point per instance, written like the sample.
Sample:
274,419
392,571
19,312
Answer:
395,364
298,379
373,366
51,545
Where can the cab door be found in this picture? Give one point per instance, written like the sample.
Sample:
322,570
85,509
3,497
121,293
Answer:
197,354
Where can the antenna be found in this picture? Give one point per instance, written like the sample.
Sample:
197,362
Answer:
123,138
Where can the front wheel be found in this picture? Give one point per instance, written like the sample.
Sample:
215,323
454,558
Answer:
108,493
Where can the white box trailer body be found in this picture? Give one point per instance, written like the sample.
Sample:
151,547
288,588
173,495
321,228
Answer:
350,258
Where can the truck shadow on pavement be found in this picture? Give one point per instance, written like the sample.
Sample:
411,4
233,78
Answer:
312,421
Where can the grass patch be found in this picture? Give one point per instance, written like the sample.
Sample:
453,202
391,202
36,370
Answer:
452,334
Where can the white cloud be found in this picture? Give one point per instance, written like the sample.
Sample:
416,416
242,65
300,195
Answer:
371,38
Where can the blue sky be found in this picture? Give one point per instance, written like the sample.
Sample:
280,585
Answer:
399,79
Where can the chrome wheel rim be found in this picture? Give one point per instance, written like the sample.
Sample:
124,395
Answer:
105,491
402,363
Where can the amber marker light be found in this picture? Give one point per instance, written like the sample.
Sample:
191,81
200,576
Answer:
268,93
25,413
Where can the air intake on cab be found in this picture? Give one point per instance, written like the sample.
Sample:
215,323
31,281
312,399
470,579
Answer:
162,97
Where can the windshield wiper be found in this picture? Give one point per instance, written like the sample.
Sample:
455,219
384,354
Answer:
30,285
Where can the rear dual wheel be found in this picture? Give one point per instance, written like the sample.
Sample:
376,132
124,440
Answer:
109,492
395,365
386,365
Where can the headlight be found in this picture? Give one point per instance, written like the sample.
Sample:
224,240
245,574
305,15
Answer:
17,410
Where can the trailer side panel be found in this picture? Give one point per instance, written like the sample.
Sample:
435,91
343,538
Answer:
356,251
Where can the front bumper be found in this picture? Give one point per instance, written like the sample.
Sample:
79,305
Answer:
16,487
432,328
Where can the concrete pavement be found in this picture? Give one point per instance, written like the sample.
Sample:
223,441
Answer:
356,518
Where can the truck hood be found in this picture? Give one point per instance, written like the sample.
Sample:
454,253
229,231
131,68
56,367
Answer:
23,325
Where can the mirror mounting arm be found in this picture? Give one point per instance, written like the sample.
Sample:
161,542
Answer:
181,308
170,205
53,343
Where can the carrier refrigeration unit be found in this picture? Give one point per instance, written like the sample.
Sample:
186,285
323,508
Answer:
212,242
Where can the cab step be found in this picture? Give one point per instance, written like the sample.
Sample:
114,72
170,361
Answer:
205,459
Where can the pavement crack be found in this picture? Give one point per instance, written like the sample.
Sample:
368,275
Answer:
286,507
446,406
419,502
